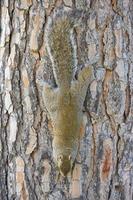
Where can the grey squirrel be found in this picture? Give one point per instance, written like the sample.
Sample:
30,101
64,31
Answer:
65,102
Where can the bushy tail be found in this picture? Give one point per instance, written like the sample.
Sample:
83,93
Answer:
59,43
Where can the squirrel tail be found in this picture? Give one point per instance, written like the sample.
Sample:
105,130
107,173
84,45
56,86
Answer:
61,49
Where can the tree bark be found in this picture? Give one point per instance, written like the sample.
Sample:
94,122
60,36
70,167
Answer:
104,170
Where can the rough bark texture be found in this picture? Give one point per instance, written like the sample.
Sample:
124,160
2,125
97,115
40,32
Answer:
105,167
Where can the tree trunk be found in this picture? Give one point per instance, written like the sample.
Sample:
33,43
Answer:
105,167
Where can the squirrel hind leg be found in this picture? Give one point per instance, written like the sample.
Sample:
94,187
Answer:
80,86
86,75
50,95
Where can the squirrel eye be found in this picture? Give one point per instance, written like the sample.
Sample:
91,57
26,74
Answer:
60,157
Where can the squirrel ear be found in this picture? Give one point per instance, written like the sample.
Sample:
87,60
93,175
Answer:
70,157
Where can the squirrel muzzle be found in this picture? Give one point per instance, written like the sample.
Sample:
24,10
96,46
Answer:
64,164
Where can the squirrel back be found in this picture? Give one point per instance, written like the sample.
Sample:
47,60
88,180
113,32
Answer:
60,45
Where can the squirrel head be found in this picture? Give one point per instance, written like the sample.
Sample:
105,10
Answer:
64,164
